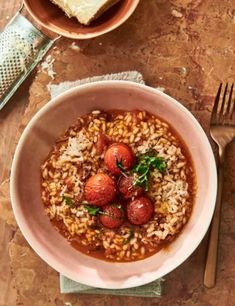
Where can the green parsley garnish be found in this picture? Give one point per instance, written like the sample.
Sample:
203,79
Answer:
92,210
131,235
68,201
142,169
119,164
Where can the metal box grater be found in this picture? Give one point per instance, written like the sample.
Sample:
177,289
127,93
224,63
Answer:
22,47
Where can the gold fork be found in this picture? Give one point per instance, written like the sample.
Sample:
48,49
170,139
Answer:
222,130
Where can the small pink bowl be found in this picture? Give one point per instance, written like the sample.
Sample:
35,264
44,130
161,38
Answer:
54,19
36,142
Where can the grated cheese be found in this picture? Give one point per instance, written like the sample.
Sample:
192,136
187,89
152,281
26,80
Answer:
176,13
47,66
75,148
161,89
143,148
174,191
74,47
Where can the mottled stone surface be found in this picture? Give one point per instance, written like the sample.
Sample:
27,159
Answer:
185,46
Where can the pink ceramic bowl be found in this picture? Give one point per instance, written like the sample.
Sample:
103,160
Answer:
36,142
54,19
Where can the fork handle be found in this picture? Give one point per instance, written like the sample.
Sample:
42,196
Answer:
211,260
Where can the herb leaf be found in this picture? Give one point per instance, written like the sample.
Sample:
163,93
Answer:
92,210
156,162
68,201
131,235
142,169
119,164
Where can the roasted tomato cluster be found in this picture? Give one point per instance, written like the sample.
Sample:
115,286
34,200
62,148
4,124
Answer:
115,193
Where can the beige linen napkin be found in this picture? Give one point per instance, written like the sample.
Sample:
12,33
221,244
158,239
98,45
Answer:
67,285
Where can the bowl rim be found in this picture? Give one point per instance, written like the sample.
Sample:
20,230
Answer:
20,218
72,35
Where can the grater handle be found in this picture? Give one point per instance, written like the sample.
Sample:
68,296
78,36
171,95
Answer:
22,47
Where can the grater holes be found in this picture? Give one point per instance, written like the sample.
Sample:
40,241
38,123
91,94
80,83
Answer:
17,54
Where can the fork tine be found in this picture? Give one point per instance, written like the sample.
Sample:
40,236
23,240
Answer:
223,105
228,108
232,103
215,107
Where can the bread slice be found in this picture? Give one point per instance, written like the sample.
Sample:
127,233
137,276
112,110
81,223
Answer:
84,10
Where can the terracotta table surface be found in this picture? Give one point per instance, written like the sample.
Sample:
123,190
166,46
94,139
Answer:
186,47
